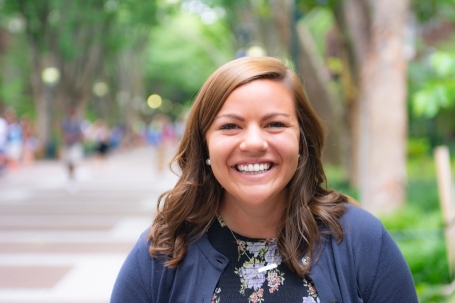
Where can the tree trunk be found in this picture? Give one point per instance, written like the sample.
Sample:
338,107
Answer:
373,39
316,82
353,21
131,83
383,119
39,97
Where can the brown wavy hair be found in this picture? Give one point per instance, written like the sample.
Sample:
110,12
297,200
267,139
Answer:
185,212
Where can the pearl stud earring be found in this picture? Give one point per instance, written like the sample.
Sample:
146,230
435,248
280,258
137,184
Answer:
207,162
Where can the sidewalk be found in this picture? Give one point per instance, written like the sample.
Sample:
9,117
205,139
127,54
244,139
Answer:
57,246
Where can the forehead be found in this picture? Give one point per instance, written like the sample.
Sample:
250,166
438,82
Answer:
263,93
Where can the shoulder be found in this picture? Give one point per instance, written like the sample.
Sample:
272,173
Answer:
375,259
364,236
359,224
367,259
134,279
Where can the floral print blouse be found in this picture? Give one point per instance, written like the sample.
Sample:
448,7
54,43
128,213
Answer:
255,272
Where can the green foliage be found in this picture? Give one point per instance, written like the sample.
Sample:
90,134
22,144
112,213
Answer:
81,38
438,91
319,21
308,5
14,83
418,147
432,294
184,52
437,9
337,180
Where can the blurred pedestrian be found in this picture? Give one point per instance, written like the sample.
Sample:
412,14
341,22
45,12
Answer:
30,141
116,136
179,127
166,137
3,140
100,134
73,151
14,144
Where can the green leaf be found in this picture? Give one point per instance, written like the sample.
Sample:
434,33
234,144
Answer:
424,104
443,63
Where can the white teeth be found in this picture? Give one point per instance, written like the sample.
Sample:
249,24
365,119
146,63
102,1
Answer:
253,168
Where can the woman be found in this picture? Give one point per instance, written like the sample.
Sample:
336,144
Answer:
249,219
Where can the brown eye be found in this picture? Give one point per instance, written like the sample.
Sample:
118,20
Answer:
276,124
229,126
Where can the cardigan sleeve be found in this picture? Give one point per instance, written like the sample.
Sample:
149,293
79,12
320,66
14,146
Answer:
366,266
392,281
132,284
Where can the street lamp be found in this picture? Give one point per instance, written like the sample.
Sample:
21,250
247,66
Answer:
50,76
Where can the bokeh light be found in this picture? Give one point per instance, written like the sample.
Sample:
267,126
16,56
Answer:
50,75
154,101
100,89
255,51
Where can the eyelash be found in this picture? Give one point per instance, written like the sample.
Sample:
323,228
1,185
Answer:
234,126
229,126
276,124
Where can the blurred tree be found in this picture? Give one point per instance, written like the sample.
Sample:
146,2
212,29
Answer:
76,38
378,44
374,88
3,45
128,67
318,83
53,28
183,52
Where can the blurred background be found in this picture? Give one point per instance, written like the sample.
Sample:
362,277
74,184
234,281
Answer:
123,75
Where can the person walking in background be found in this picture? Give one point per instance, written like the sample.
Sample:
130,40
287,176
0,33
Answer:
3,140
30,141
100,134
14,143
166,139
73,151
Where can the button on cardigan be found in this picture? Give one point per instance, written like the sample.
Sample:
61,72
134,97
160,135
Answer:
366,267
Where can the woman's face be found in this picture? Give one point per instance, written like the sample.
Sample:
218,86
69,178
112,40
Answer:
253,143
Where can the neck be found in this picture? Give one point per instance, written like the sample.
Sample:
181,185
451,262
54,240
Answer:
253,222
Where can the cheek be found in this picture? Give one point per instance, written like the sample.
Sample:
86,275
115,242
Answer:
218,153
289,144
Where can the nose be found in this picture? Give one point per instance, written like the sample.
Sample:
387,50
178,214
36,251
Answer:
254,140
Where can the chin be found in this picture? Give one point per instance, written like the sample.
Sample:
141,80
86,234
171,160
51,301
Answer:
256,199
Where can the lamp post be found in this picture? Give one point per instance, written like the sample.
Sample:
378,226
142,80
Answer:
50,77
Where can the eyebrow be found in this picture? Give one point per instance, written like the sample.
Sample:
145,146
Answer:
268,116
271,115
230,116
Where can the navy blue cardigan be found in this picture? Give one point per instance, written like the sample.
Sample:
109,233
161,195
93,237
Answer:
366,266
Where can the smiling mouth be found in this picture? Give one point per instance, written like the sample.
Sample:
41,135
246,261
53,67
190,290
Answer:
254,169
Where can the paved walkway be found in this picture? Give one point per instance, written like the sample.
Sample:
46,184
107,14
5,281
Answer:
57,246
